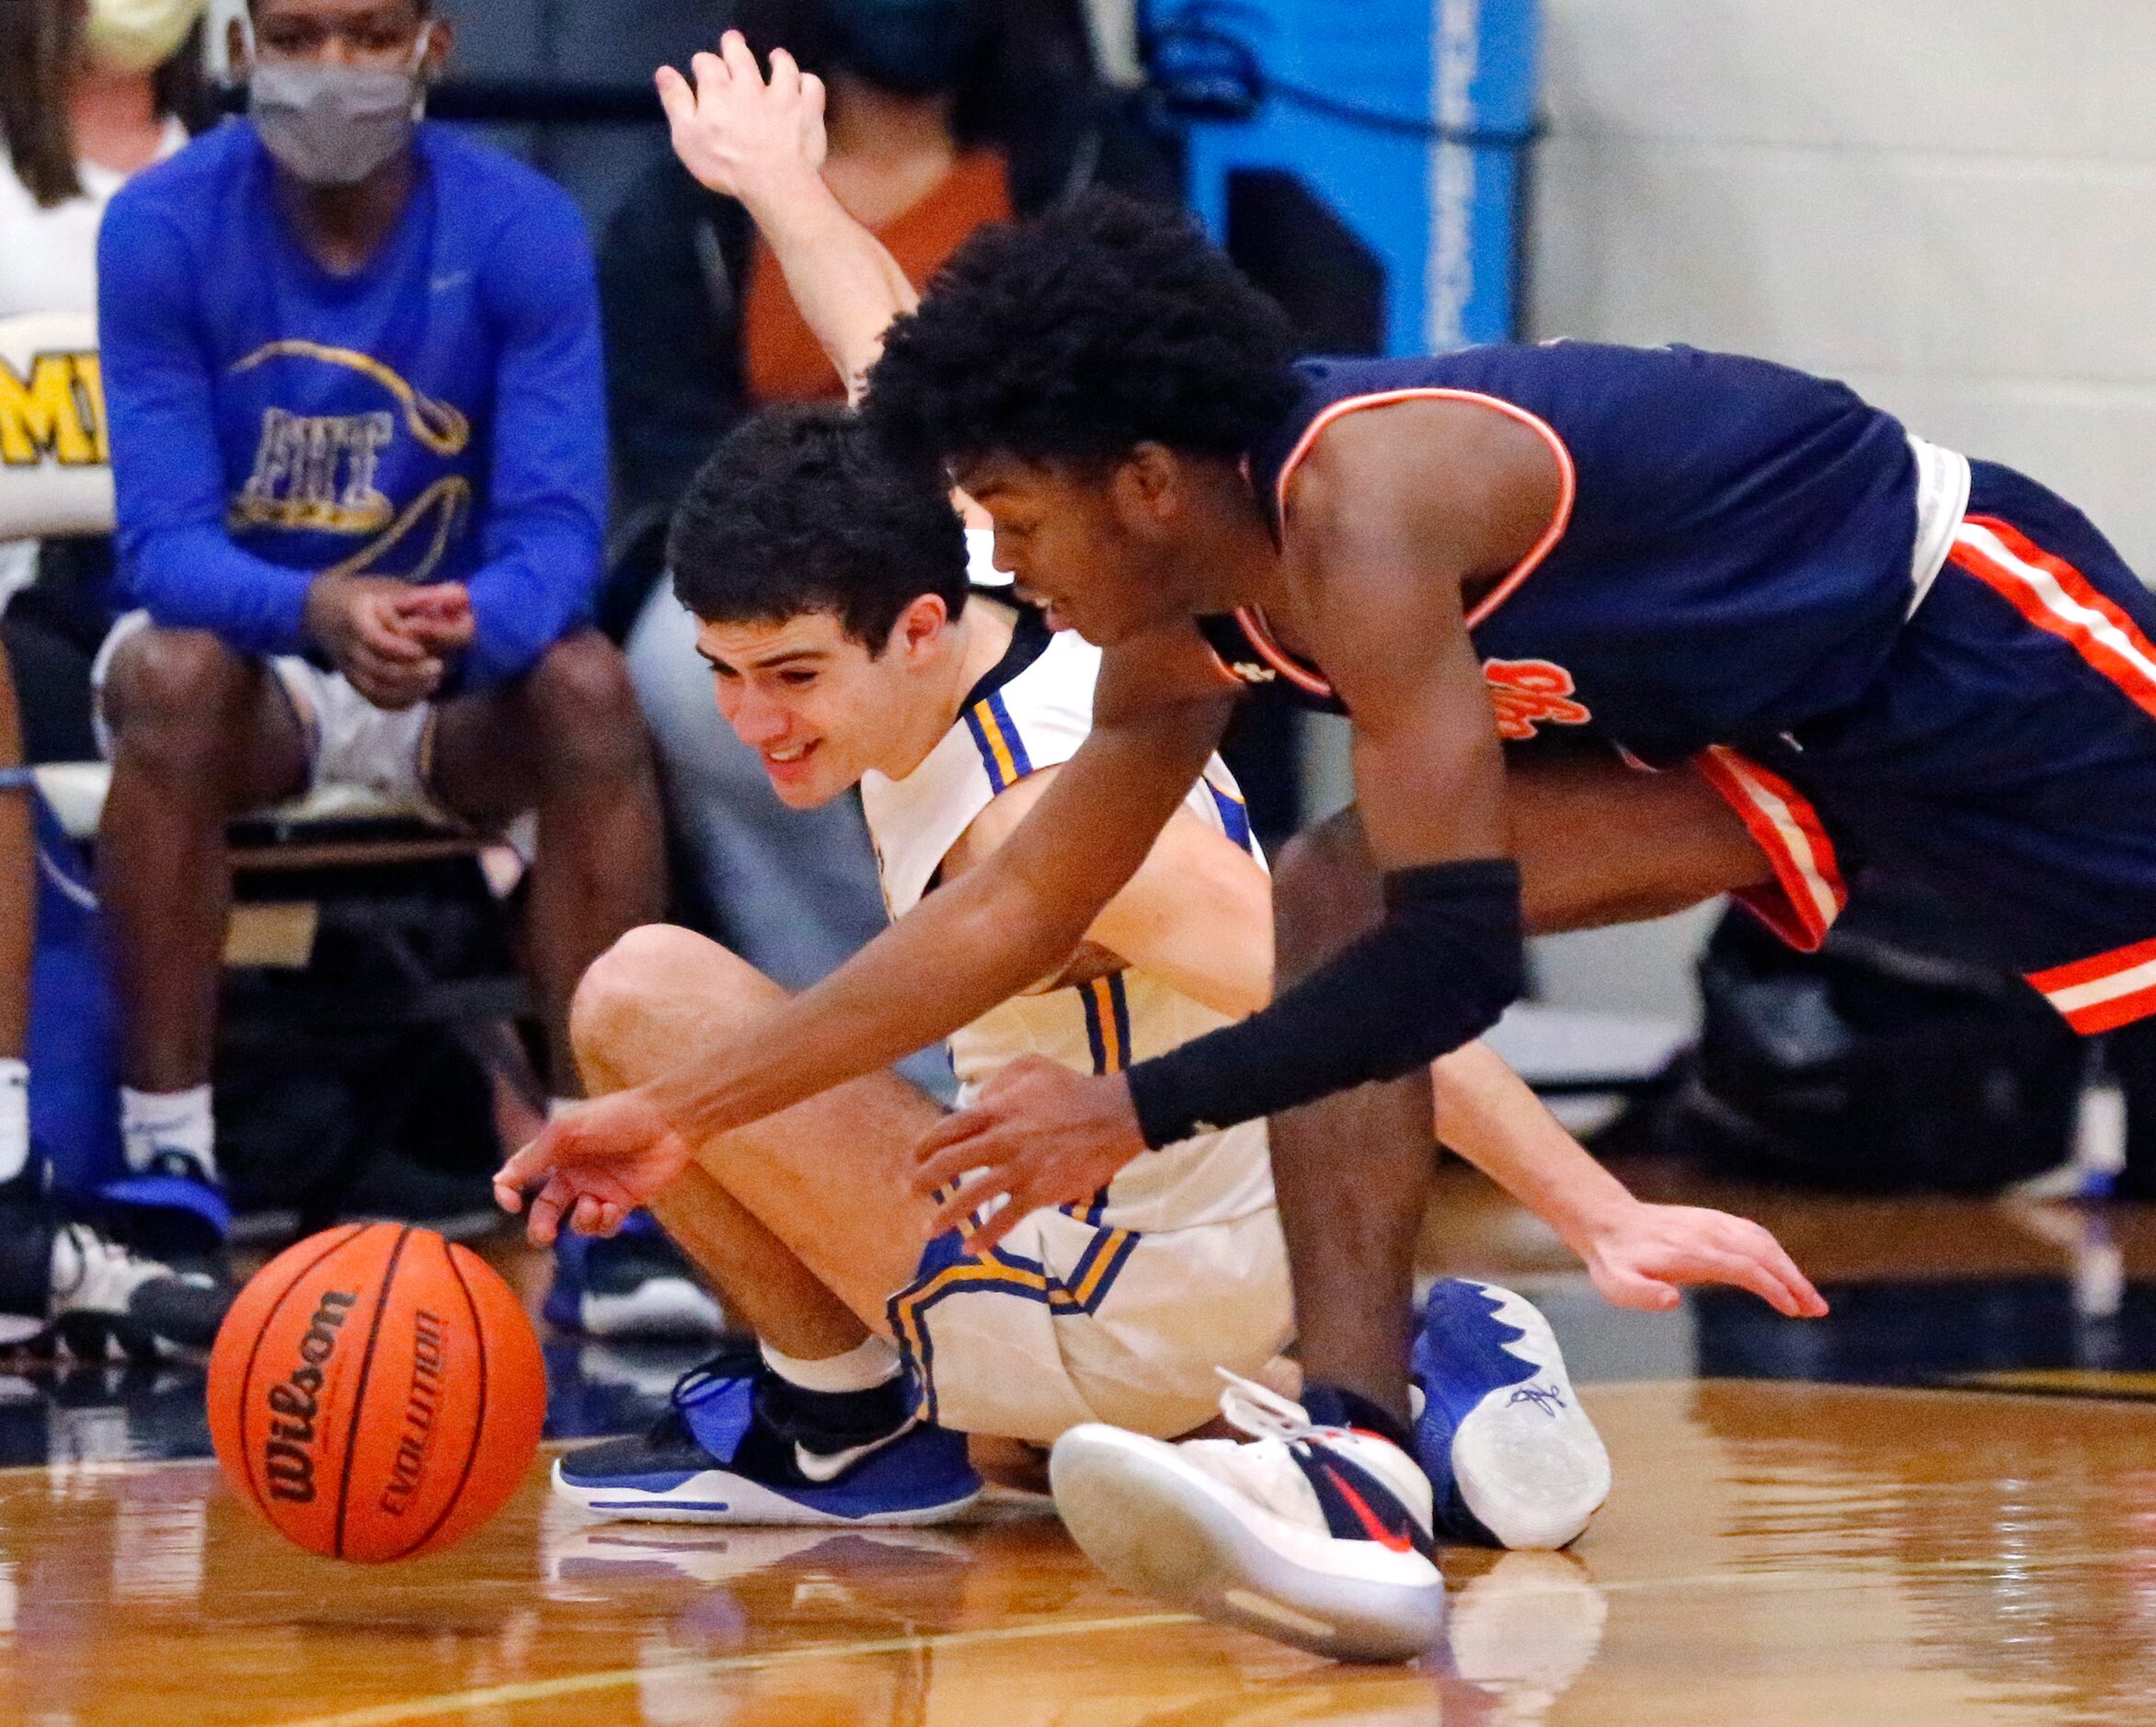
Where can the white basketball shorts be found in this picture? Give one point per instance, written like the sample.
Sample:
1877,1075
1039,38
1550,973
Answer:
1068,1321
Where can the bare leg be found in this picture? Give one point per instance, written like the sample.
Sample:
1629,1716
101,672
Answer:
200,734
569,740
1597,843
1352,1171
804,1219
1600,843
19,883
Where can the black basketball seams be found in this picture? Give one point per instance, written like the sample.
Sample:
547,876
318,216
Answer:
246,1377
359,1404
449,1253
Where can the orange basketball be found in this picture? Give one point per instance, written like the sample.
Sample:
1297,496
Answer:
376,1392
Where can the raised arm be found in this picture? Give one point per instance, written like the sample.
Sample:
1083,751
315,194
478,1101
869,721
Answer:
762,143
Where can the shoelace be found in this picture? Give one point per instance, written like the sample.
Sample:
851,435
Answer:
1263,1413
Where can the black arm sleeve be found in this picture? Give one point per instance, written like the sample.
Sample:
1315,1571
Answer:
1447,960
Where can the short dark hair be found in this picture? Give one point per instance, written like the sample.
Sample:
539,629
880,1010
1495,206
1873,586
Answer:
1108,324
797,511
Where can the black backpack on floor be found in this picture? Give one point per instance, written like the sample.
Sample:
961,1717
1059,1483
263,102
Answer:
1873,1066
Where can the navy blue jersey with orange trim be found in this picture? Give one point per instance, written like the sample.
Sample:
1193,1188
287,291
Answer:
1729,557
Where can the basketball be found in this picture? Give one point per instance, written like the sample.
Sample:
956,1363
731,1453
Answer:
376,1392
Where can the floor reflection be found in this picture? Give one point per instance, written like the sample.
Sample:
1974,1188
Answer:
1807,1555
2023,1545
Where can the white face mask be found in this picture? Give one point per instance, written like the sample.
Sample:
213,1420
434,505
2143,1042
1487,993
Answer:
139,35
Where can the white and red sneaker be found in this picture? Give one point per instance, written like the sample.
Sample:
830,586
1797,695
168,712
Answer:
1318,1537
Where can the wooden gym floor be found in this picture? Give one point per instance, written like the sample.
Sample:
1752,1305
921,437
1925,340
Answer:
1938,1506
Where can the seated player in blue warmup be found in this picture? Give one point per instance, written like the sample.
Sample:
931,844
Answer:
1617,629
833,607
359,439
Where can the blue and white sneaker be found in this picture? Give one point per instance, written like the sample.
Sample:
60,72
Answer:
1319,1536
1513,1458
717,1457
635,1284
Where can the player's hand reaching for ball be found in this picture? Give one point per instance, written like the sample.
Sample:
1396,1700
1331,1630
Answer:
593,1166
1038,1134
737,135
1640,1254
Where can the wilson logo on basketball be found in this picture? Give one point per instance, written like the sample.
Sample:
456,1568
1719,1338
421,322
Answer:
1530,692
288,1460
421,1404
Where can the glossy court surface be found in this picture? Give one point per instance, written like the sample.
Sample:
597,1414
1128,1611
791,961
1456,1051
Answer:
1967,1536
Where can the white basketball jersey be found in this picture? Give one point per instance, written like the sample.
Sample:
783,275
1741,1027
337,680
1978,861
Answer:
1032,712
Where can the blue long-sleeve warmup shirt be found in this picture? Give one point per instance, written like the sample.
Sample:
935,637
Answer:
440,415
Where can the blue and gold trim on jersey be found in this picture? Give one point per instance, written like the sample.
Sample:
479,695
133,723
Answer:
1235,817
1106,1002
947,1270
1003,751
1107,1021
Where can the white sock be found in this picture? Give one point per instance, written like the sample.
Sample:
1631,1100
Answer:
870,1363
14,1118
151,1122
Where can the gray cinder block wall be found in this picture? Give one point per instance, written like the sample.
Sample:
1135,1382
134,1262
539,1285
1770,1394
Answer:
1949,203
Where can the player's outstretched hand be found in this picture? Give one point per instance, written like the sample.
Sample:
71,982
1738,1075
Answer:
1639,1257
593,1166
1038,1134
737,134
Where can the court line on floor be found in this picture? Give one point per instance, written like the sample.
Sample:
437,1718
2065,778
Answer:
618,1678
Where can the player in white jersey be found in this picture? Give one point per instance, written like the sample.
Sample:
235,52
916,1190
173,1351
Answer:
846,650
849,647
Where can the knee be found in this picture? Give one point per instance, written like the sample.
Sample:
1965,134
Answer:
171,698
585,704
633,994
1325,892
617,988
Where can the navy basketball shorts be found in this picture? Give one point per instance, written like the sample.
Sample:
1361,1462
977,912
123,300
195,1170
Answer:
2005,757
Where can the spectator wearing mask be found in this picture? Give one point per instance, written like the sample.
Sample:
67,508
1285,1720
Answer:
943,115
353,369
90,94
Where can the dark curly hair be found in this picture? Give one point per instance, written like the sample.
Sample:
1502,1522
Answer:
1102,326
797,511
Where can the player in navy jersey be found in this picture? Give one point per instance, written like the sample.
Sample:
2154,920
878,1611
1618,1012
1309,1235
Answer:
1791,643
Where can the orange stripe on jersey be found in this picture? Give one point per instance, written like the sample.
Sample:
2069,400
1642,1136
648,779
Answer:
1784,824
2057,598
1567,475
2105,991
